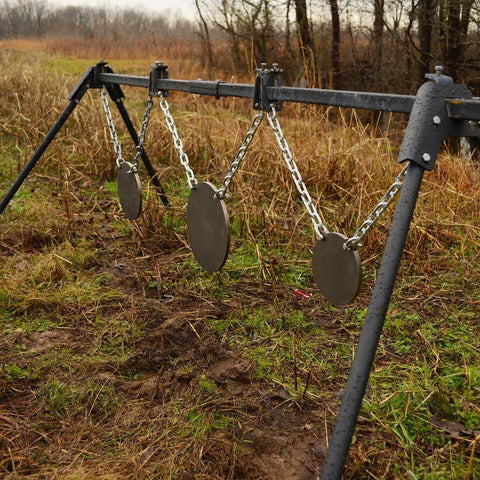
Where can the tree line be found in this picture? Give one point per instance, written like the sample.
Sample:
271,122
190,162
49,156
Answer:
375,44
382,45
39,18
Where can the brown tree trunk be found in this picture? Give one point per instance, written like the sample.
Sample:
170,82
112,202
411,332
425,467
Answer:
206,37
287,26
335,51
453,37
377,38
426,18
465,18
457,17
306,41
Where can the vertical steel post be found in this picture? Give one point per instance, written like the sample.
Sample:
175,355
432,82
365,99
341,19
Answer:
370,336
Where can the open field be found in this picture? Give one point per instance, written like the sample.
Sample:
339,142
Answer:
121,358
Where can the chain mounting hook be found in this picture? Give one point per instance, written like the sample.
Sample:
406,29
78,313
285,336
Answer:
267,77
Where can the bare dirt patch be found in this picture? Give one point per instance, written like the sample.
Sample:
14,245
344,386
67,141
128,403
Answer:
51,339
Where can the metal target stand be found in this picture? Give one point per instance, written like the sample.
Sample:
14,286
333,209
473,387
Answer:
441,108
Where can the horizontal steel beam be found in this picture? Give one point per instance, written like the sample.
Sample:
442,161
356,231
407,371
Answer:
199,87
458,109
338,98
464,109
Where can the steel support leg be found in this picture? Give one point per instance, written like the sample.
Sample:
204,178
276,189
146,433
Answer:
40,150
370,336
146,161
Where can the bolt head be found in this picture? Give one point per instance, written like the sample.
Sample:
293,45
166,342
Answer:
437,120
426,157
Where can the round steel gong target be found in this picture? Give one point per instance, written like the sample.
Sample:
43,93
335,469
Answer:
129,191
208,227
337,272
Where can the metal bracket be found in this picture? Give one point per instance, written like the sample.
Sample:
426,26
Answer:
438,76
87,80
217,88
114,90
429,122
159,72
266,78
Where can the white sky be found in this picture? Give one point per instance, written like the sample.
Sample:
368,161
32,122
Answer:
184,8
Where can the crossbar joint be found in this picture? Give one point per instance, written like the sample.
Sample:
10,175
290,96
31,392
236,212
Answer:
267,77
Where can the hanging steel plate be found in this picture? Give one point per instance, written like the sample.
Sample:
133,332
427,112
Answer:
208,227
337,272
129,191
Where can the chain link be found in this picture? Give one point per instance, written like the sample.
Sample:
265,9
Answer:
257,120
354,241
141,136
133,166
111,127
192,181
317,222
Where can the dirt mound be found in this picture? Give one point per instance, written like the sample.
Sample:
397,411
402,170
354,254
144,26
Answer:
292,454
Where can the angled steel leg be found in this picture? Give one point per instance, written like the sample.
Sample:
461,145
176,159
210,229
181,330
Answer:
75,98
370,336
116,95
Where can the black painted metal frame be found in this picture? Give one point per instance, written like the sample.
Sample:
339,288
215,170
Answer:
440,108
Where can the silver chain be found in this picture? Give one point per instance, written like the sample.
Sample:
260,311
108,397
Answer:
111,127
133,166
141,136
318,225
354,241
192,181
257,120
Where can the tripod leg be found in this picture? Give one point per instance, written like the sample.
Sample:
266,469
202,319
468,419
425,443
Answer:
134,136
39,152
370,336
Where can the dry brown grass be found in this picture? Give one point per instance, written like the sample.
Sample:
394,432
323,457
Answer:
102,378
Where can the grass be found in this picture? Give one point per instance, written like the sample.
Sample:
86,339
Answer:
120,357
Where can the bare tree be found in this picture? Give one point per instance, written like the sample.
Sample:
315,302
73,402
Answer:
205,34
377,36
305,41
26,17
426,19
335,49
248,26
454,19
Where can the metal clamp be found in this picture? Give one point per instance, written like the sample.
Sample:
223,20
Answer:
438,76
267,77
159,72
115,91
429,121
217,88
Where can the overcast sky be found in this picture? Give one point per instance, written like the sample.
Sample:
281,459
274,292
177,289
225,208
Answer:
185,8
